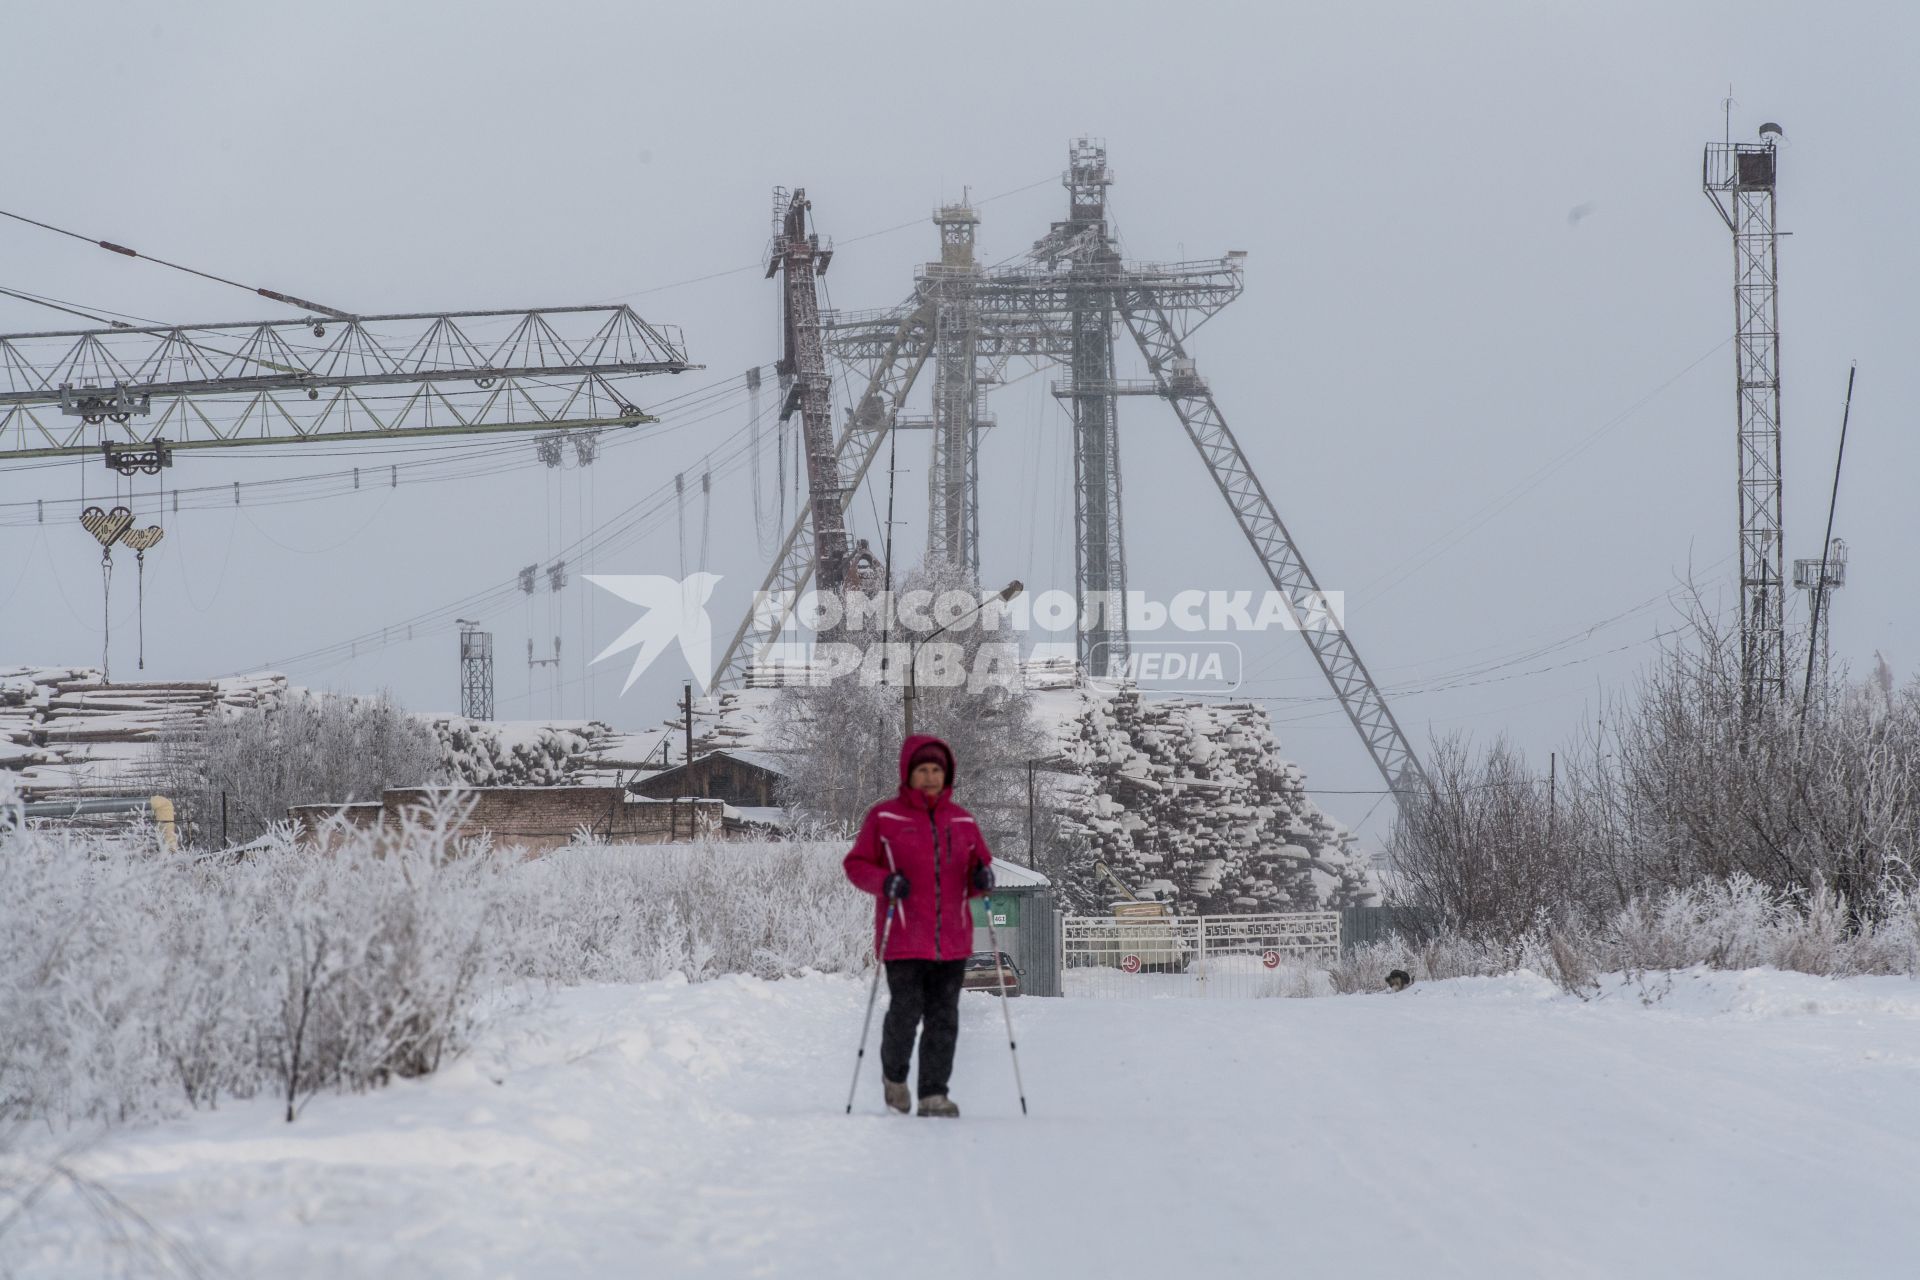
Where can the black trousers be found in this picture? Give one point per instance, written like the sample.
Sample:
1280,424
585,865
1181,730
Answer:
922,991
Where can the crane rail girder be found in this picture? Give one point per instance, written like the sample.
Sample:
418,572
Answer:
251,383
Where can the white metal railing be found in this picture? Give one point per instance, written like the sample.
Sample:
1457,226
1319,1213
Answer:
1228,956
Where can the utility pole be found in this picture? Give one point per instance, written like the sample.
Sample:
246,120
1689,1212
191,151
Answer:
1553,794
1820,577
686,709
553,682
1033,856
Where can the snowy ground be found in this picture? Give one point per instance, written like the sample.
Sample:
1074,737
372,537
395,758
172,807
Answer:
1756,1124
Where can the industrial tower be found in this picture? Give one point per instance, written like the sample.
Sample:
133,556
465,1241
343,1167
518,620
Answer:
476,670
1064,304
1820,579
953,513
799,259
1739,178
1085,247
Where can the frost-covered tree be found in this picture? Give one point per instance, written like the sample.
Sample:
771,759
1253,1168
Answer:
1683,783
842,735
307,748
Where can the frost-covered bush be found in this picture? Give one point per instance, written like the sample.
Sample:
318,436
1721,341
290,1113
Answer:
633,913
132,979
1732,924
134,982
1682,782
305,748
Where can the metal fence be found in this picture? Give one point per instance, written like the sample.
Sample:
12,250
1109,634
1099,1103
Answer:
1360,925
1225,956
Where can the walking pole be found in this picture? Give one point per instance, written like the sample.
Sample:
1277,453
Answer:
993,940
873,993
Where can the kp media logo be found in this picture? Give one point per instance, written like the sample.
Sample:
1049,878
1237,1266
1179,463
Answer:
1170,666
675,610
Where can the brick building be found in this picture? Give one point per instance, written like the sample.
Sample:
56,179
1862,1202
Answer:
541,818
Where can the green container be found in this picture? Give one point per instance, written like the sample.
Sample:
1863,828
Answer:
1006,911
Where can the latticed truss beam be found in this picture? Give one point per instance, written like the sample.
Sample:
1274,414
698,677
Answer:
799,258
427,373
861,338
1259,519
888,385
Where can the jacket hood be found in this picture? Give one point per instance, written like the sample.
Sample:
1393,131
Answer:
912,745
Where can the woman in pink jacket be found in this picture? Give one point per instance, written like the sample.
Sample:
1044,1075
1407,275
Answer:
923,857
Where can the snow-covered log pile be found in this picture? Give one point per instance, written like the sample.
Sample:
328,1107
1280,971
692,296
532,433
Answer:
1190,802
67,733
518,753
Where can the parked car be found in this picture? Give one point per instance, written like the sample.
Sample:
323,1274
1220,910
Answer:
981,974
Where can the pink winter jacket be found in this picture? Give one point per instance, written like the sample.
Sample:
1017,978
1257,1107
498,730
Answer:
936,847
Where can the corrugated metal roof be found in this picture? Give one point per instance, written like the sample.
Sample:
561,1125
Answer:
1011,875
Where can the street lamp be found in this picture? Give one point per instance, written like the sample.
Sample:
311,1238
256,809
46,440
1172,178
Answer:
1007,593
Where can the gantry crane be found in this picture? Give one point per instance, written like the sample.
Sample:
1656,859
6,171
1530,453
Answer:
138,394
816,549
1065,303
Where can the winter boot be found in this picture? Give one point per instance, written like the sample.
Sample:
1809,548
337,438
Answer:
898,1099
938,1104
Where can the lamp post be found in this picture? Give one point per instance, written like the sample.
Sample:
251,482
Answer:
1006,593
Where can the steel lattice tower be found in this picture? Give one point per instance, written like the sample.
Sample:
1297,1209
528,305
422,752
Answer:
1100,567
1739,179
799,258
953,516
476,671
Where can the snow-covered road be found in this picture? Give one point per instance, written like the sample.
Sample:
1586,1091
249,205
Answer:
1757,1124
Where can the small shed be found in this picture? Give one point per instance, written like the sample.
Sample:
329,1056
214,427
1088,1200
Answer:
742,778
1027,918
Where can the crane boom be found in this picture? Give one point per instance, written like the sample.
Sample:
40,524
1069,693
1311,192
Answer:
275,382
1339,661
894,370
799,259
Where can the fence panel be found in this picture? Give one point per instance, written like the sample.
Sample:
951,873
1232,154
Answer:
1175,956
1040,949
1360,925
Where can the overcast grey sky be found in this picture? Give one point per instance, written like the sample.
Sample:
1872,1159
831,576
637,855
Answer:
1491,426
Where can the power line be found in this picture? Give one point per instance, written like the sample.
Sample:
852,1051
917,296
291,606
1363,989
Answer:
273,294
630,524
1500,502
69,309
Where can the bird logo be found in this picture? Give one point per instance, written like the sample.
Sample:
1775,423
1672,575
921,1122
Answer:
675,609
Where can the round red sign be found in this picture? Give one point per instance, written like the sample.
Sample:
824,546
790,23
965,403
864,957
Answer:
1270,958
1130,964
